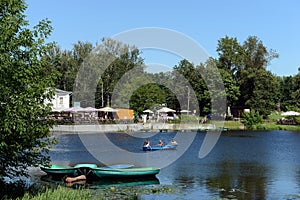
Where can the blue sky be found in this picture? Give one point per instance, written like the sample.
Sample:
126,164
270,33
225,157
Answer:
276,23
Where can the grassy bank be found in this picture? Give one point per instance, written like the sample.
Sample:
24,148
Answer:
266,125
109,193
275,126
58,194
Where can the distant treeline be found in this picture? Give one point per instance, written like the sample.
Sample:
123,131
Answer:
242,67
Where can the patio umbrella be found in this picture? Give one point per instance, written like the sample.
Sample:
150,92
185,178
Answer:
290,113
57,109
165,110
148,111
73,109
185,111
89,109
107,109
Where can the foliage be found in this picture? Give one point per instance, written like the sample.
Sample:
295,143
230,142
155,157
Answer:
146,97
297,119
23,90
108,193
246,63
286,90
194,76
274,116
215,87
59,193
296,92
265,93
242,67
252,119
230,59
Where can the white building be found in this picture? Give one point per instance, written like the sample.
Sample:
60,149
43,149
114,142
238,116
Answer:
61,100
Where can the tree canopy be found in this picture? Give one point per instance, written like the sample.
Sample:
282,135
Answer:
242,66
25,85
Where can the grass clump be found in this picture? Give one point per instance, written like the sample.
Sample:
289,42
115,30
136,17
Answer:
109,193
59,193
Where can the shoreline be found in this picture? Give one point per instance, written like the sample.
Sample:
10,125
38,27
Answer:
123,127
164,127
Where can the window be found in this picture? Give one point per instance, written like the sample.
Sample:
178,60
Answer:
61,100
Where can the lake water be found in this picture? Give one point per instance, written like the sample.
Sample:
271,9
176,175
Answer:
242,165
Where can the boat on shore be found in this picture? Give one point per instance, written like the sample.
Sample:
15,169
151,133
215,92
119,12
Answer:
78,169
100,183
58,170
105,172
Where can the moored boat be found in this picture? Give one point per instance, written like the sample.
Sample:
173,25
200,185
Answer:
59,170
78,169
84,168
105,172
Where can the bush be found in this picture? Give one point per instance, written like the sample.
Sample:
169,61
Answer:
297,119
252,119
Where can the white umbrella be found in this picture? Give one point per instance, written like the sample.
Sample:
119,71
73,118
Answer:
165,110
290,113
148,111
107,109
89,109
57,109
73,109
185,111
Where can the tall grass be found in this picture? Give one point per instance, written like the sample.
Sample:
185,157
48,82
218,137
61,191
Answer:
105,193
59,193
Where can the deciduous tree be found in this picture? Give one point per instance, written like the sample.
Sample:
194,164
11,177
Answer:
23,91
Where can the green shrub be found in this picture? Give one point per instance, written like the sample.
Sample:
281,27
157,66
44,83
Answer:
59,193
252,120
297,119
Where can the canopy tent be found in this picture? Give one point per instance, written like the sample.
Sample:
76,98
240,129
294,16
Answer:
148,111
290,113
165,110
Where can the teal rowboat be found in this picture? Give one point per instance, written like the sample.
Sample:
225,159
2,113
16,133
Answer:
79,169
105,172
59,170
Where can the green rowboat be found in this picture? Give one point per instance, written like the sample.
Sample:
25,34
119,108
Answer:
105,172
59,170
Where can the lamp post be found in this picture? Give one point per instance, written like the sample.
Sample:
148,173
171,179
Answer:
102,98
188,103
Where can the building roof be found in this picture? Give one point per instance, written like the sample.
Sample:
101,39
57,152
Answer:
59,91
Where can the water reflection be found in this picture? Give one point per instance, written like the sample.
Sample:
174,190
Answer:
243,165
95,183
246,184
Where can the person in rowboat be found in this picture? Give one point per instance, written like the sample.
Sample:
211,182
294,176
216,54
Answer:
161,143
146,145
173,142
